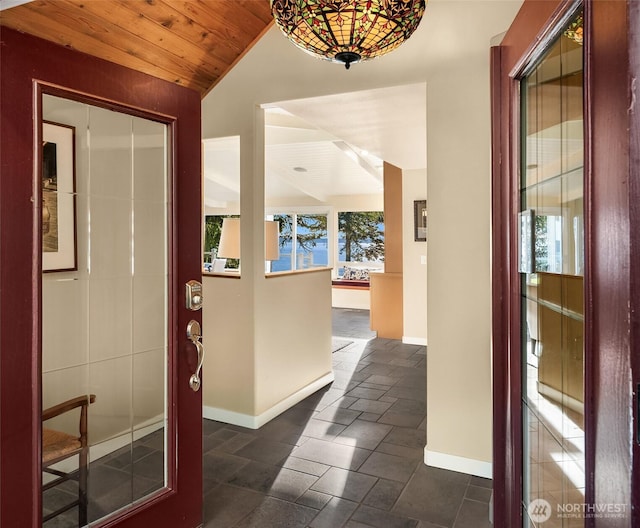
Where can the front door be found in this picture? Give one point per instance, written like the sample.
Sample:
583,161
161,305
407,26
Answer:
563,358
102,165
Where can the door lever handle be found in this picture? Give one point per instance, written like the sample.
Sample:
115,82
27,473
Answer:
194,335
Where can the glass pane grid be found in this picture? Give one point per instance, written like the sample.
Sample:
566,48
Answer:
105,326
552,288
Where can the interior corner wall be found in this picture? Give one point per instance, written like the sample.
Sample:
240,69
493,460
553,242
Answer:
268,340
459,411
293,338
414,187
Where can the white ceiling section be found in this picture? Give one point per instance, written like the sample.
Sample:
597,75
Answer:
302,160
391,123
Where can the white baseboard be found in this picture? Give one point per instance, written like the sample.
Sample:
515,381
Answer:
255,422
470,466
422,341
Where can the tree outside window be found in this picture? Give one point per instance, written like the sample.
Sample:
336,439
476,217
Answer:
311,247
361,236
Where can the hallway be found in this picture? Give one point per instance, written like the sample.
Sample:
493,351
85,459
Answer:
349,455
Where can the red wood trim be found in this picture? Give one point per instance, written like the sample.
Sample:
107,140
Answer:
609,296
501,482
589,310
546,33
634,203
351,284
505,481
514,432
20,406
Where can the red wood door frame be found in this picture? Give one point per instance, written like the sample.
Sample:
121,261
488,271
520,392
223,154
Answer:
28,66
609,297
634,204
612,256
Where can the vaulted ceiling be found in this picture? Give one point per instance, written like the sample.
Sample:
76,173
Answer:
190,42
194,43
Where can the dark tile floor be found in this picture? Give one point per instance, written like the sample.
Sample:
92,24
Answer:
350,455
116,480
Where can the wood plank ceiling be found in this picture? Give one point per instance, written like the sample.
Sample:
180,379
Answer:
190,42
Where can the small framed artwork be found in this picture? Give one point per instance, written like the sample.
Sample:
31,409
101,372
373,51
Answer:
58,198
420,220
526,242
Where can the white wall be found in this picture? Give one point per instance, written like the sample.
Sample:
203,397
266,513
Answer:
293,331
263,358
459,279
454,62
353,298
228,371
414,287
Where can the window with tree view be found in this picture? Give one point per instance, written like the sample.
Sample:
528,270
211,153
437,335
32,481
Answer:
360,239
311,245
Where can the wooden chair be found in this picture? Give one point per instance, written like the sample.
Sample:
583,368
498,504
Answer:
58,446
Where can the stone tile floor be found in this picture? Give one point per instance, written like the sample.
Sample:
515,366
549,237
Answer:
115,481
350,455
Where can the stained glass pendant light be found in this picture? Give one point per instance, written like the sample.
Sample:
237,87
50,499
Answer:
575,30
347,31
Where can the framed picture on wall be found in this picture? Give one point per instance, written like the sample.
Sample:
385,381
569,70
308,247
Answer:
420,220
58,198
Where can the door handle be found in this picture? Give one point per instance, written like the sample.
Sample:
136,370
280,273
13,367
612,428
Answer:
194,335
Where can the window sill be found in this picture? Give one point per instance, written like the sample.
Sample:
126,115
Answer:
275,274
223,274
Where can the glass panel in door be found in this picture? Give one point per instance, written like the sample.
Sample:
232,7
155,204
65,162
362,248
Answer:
551,269
104,308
